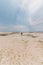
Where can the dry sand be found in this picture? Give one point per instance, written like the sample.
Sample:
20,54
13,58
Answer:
21,50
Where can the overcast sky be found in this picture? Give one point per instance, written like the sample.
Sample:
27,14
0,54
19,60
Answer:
21,15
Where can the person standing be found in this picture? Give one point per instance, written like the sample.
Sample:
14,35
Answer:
21,33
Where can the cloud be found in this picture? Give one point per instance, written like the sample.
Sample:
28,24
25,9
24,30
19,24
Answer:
38,27
13,12
18,28
36,22
34,8
22,14
21,28
35,5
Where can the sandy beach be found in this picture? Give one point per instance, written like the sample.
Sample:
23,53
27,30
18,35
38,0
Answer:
21,50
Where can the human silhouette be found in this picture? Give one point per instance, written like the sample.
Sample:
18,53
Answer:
21,33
